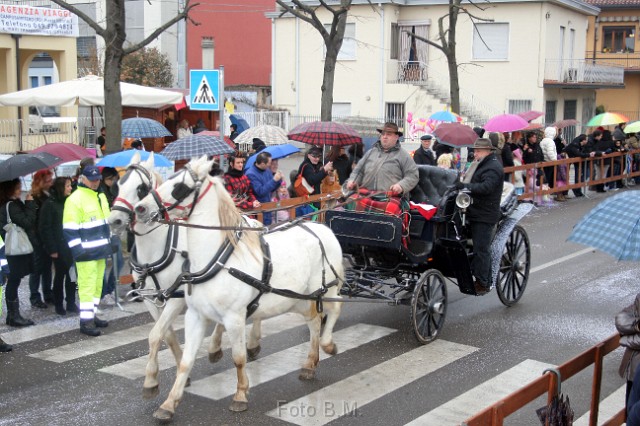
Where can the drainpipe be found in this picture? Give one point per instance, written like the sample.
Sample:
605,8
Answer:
16,37
595,38
297,66
382,81
273,61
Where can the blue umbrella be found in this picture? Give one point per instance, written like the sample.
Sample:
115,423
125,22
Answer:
139,127
445,116
613,226
240,122
276,151
123,158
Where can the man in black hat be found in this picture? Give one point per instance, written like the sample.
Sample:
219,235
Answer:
424,155
485,184
386,166
257,145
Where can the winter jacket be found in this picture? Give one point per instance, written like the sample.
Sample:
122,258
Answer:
627,323
343,166
548,146
619,134
25,215
312,174
533,155
262,183
574,150
84,224
486,191
379,169
422,156
50,228
239,187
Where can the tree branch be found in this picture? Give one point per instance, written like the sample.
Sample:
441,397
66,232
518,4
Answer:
182,15
307,15
429,42
94,25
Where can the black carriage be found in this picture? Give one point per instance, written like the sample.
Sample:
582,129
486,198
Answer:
407,264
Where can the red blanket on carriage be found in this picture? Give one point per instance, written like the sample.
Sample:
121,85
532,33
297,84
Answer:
385,203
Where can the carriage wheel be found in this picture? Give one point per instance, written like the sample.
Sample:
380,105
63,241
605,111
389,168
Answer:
428,306
514,267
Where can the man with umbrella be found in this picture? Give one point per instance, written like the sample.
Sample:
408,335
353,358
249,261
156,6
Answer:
386,166
485,185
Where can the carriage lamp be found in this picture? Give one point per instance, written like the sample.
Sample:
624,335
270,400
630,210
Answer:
463,200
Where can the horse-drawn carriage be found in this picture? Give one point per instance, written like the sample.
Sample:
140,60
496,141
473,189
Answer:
228,271
405,260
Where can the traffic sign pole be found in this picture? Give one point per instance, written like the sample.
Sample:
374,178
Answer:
221,103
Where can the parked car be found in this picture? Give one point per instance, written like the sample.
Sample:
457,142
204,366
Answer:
38,119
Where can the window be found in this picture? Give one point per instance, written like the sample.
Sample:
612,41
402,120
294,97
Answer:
340,109
134,21
618,39
519,105
348,48
550,112
47,80
34,81
395,114
86,46
490,41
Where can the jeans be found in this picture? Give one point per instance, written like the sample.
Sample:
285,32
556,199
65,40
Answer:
633,403
482,234
110,278
41,273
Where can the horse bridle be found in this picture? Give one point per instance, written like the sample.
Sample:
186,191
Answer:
142,190
180,193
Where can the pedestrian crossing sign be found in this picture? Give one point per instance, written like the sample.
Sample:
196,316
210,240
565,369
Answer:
205,90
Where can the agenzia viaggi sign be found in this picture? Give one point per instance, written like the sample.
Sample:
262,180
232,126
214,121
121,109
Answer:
205,90
30,20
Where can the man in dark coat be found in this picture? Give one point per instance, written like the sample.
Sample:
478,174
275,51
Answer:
576,149
486,190
424,155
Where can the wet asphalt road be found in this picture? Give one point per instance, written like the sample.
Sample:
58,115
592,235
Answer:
568,306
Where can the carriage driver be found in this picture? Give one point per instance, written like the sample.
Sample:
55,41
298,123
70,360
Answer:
386,166
486,190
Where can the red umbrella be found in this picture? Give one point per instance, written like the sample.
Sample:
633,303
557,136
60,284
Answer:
530,115
66,151
533,126
565,123
216,133
506,123
455,134
324,133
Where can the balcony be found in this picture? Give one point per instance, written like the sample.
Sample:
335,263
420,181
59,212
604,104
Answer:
582,74
629,61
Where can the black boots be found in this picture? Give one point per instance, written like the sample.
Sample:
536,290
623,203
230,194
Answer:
14,318
88,327
100,323
4,346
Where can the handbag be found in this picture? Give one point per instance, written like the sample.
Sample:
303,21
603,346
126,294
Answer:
301,186
16,241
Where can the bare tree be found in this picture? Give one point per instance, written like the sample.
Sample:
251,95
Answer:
114,38
447,38
332,41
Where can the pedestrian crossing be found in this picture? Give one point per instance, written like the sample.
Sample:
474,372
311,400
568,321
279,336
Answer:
343,398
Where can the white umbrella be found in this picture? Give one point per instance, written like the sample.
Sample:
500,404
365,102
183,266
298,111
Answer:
89,91
270,135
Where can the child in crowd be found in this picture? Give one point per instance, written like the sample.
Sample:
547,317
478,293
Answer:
282,193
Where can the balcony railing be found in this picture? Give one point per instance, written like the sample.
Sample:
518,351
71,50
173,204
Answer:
629,61
580,72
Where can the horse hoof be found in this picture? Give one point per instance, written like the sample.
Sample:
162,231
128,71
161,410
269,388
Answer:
215,357
150,393
330,349
307,374
252,354
163,415
239,406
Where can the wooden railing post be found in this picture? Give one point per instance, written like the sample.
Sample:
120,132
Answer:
595,387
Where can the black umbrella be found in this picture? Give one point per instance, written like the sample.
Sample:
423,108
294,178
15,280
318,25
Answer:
558,412
24,164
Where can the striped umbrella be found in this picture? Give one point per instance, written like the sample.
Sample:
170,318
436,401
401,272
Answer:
270,135
138,127
324,133
567,122
530,115
194,146
606,119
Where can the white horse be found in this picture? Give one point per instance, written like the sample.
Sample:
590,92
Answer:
156,247
306,258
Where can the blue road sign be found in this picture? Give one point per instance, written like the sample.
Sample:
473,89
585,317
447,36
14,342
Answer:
205,90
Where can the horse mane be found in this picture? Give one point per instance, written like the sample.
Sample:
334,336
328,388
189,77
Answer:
230,216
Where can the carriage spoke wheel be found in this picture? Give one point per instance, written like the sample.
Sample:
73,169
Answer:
428,306
514,267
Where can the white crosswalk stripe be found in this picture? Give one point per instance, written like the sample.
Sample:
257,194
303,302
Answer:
284,362
607,409
349,395
469,403
135,368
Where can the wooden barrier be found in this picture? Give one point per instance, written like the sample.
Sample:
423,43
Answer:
496,413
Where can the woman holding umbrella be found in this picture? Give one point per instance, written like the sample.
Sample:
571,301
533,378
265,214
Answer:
312,169
24,216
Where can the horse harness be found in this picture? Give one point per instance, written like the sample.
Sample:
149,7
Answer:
180,192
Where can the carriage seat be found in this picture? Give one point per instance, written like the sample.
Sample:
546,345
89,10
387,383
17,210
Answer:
509,199
432,184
